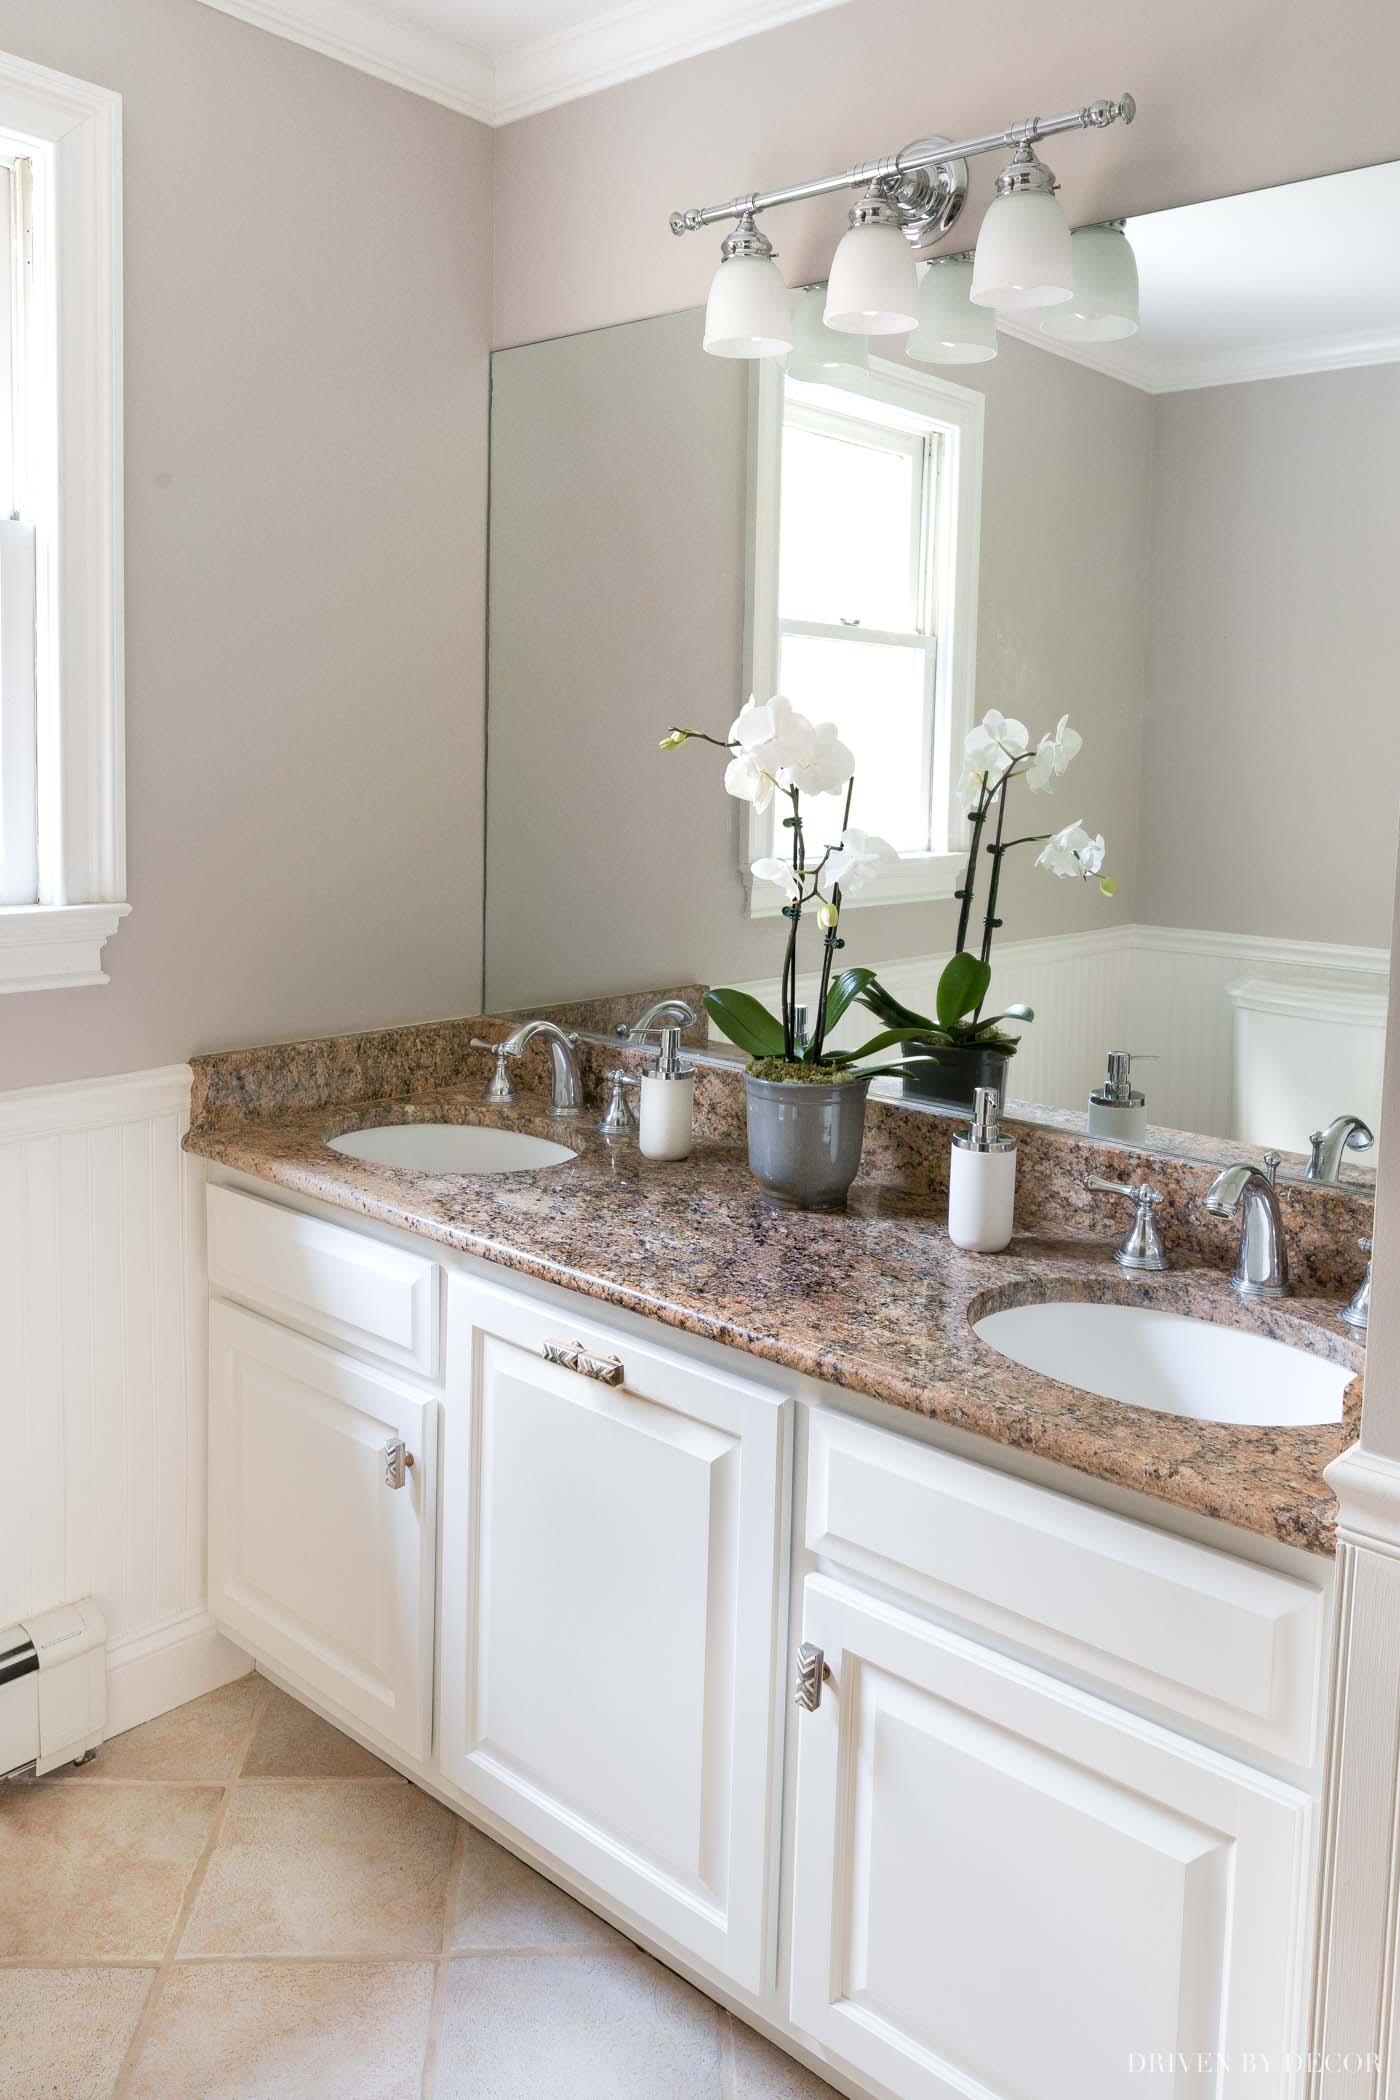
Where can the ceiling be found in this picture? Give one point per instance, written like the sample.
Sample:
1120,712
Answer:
501,59
1302,278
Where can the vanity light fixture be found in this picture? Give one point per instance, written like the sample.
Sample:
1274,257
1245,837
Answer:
951,330
749,313
818,352
916,194
1103,307
874,287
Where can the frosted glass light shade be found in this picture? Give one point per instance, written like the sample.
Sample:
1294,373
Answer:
749,311
1024,258
951,330
1103,307
874,287
818,352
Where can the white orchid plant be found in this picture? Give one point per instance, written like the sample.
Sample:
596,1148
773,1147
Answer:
997,751
776,752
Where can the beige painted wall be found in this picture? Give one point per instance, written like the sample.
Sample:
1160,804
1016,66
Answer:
1230,98
1275,636
619,489
307,319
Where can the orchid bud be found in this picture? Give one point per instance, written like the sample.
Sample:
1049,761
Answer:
827,914
674,741
1108,886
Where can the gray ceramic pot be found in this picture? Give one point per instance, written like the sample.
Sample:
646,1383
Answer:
805,1140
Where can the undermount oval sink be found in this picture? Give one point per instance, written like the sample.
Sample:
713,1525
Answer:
450,1148
1170,1362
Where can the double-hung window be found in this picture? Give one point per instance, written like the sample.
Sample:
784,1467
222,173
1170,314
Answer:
865,535
62,831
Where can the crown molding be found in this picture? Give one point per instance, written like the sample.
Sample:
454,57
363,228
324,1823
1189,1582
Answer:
625,42
1340,353
617,44
374,41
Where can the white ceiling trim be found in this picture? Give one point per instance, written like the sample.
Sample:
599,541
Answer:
618,45
1223,368
627,42
374,41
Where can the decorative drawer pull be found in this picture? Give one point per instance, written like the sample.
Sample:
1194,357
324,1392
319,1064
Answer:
397,1460
574,1357
812,1674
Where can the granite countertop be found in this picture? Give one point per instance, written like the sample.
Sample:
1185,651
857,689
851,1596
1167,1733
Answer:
878,1301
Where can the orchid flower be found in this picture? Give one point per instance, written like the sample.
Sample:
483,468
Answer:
770,869
856,860
1053,756
826,768
1072,852
768,737
990,748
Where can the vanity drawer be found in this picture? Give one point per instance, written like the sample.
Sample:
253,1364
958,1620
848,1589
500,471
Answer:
1212,1641
340,1285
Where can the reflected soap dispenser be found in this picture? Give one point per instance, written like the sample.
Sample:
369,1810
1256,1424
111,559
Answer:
668,1103
1117,1109
982,1180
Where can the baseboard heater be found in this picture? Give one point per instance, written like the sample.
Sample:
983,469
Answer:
53,1689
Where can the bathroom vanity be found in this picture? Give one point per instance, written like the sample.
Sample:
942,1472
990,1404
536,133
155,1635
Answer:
689,1582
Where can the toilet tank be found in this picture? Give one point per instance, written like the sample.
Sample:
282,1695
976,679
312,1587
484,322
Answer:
1302,1055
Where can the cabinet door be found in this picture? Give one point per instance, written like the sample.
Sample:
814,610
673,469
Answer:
1007,1889
317,1562
612,1603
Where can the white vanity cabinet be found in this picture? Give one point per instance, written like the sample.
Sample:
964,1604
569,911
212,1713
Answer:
322,1506
612,1613
1048,1830
1005,1888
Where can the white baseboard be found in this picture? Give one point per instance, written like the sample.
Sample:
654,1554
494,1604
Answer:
149,1673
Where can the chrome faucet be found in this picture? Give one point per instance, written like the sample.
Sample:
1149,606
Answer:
1356,1314
1143,1248
566,1098
1262,1268
678,1011
1343,1134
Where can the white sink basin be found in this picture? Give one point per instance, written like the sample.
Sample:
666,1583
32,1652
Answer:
1166,1361
450,1148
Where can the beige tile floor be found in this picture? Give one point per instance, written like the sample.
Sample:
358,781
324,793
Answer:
236,1902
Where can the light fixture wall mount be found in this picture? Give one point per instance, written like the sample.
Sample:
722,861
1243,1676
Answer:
925,183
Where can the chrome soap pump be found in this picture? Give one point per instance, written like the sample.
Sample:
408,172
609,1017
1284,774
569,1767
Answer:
982,1180
1117,1109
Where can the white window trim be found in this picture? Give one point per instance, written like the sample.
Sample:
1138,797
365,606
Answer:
958,414
74,128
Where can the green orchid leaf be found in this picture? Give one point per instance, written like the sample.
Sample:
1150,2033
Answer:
876,1000
961,988
887,1039
847,988
1012,1013
745,1022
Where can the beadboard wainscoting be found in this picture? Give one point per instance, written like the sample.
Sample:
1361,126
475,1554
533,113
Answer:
1162,989
103,1379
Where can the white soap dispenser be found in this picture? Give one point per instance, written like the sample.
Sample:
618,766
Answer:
1117,1109
982,1180
668,1103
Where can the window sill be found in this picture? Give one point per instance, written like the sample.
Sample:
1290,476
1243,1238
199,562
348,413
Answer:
44,947
920,878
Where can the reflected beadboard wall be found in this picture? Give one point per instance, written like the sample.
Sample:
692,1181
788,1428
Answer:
1144,988
102,1378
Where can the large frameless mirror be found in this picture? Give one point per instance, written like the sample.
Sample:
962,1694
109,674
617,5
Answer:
1182,539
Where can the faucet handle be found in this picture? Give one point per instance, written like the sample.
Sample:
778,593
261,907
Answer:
1143,1247
500,1088
618,1118
1272,1162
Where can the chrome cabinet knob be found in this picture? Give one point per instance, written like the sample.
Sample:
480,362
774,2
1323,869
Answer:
397,1461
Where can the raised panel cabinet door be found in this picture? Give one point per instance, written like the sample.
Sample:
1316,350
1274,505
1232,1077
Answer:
1005,1889
612,1602
318,1560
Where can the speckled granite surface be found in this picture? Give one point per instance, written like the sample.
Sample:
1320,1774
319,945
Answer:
877,1301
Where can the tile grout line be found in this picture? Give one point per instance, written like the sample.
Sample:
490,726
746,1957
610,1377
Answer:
728,2069
187,1903
449,1912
